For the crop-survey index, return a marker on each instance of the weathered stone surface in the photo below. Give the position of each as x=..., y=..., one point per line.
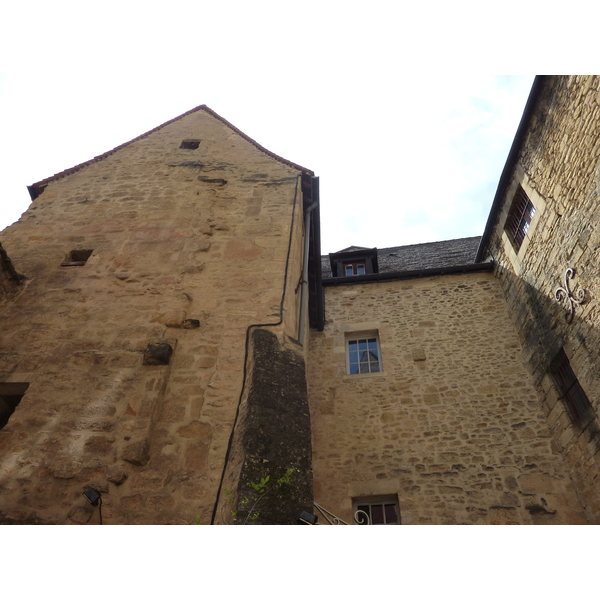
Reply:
x=196, y=456
x=195, y=430
x=9, y=279
x=160, y=353
x=116, y=475
x=98, y=444
x=64, y=467
x=557, y=167
x=136, y=453
x=157, y=274
x=275, y=437
x=460, y=436
x=81, y=514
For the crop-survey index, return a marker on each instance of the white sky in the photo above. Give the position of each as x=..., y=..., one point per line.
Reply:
x=373, y=98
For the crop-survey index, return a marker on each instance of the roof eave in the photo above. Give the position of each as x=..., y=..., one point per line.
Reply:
x=511, y=162
x=415, y=274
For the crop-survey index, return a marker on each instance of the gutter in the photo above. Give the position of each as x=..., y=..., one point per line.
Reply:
x=415, y=274
x=304, y=290
x=318, y=317
x=513, y=155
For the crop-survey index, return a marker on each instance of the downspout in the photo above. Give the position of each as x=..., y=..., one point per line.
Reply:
x=304, y=289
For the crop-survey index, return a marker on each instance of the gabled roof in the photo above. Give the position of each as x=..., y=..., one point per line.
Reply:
x=419, y=257
x=36, y=189
x=351, y=249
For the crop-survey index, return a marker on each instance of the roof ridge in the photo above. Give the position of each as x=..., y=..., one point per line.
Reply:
x=471, y=237
x=380, y=250
x=35, y=189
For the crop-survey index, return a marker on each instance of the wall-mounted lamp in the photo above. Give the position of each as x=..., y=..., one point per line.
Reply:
x=305, y=518
x=94, y=497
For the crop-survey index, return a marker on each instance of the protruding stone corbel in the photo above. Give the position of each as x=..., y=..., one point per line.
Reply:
x=564, y=294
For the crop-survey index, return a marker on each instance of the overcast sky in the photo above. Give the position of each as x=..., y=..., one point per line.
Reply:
x=408, y=147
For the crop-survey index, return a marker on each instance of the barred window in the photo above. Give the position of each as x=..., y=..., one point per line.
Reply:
x=519, y=218
x=570, y=390
x=381, y=510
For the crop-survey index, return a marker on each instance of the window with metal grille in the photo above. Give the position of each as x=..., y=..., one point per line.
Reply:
x=382, y=510
x=519, y=218
x=363, y=355
x=571, y=393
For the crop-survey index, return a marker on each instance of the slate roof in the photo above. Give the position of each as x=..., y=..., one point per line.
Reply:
x=449, y=253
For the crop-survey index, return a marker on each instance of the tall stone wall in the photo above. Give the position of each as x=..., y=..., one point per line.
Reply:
x=452, y=425
x=189, y=248
x=559, y=168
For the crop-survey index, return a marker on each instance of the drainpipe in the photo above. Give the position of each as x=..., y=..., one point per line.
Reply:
x=303, y=293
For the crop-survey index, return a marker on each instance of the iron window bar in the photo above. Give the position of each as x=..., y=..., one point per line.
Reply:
x=570, y=390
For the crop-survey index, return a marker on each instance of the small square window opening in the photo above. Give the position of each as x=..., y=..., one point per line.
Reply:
x=363, y=355
x=76, y=258
x=190, y=144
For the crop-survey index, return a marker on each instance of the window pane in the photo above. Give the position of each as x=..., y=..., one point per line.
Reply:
x=375, y=367
x=353, y=345
x=353, y=357
x=349, y=270
x=377, y=514
x=362, y=344
x=360, y=269
x=372, y=344
x=373, y=356
x=353, y=369
x=364, y=367
x=390, y=513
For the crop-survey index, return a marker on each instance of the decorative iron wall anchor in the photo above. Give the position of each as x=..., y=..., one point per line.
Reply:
x=572, y=298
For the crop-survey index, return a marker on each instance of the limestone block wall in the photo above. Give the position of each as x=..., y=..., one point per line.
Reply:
x=452, y=425
x=189, y=248
x=559, y=168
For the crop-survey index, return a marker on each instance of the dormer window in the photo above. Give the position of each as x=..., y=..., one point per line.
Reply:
x=358, y=268
x=354, y=261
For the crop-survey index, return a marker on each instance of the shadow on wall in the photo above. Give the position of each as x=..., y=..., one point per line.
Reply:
x=546, y=336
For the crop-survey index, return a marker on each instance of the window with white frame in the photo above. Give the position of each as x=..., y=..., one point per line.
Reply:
x=377, y=510
x=363, y=354
x=355, y=268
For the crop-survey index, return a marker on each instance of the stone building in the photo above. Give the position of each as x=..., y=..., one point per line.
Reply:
x=174, y=342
